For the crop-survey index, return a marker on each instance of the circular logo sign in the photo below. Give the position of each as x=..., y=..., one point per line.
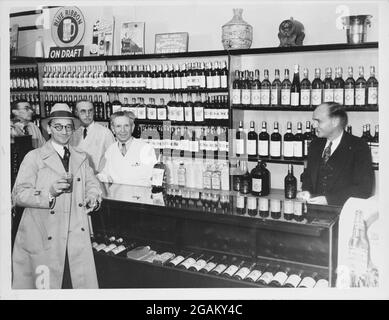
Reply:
x=68, y=27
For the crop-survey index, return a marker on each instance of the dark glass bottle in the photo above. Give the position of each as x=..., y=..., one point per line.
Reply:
x=236, y=90
x=246, y=89
x=263, y=142
x=290, y=184
x=260, y=180
x=268, y=275
x=276, y=89
x=374, y=146
x=360, y=89
x=245, y=183
x=328, y=85
x=252, y=142
x=288, y=142
x=240, y=140
x=349, y=89
x=305, y=92
x=339, y=86
x=372, y=89
x=275, y=143
x=298, y=147
x=317, y=89
x=295, y=89
x=265, y=89
x=256, y=89
x=286, y=86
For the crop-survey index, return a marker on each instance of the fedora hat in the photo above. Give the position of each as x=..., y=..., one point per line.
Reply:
x=61, y=110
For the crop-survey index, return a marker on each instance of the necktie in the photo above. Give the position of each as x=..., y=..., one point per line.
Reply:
x=66, y=157
x=85, y=132
x=124, y=149
x=25, y=130
x=327, y=152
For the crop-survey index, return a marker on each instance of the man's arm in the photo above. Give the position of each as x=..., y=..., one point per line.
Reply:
x=362, y=177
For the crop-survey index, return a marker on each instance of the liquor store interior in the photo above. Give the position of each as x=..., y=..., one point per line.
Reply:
x=157, y=149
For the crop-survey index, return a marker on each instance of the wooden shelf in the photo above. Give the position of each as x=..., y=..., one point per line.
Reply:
x=159, y=91
x=298, y=108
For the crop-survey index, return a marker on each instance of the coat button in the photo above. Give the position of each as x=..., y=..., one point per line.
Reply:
x=80, y=204
x=82, y=229
x=52, y=211
x=78, y=179
x=49, y=238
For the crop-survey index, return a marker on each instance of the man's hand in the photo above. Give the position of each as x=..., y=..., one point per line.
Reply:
x=318, y=200
x=303, y=195
x=104, y=178
x=58, y=187
x=92, y=203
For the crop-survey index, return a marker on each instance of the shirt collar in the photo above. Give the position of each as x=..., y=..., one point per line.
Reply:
x=88, y=127
x=335, y=142
x=128, y=142
x=59, y=148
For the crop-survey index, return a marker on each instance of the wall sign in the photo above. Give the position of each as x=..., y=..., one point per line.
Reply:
x=171, y=42
x=68, y=27
x=59, y=53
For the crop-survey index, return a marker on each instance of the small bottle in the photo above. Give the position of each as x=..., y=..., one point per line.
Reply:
x=260, y=180
x=286, y=90
x=182, y=175
x=360, y=89
x=372, y=89
x=317, y=89
x=295, y=89
x=290, y=184
x=240, y=140
x=349, y=89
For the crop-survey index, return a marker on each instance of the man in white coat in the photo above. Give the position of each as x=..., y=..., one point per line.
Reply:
x=91, y=137
x=129, y=160
x=52, y=247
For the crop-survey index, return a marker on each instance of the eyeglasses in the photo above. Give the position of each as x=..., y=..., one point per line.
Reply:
x=84, y=112
x=59, y=127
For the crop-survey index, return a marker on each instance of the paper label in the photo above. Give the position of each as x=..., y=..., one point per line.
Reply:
x=328, y=95
x=236, y=96
x=339, y=96
x=254, y=275
x=239, y=146
x=360, y=96
x=288, y=148
x=308, y=282
x=293, y=280
x=349, y=96
x=305, y=97
x=372, y=95
x=246, y=96
x=243, y=272
x=295, y=99
x=316, y=97
x=256, y=184
x=285, y=96
x=252, y=147
x=255, y=97
x=265, y=97
x=231, y=270
x=252, y=203
x=275, y=148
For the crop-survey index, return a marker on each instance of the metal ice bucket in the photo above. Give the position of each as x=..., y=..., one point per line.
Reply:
x=356, y=28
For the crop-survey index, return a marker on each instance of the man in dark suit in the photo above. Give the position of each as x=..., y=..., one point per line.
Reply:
x=339, y=164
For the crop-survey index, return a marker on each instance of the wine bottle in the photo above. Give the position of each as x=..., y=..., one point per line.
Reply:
x=275, y=143
x=158, y=177
x=240, y=204
x=288, y=142
x=260, y=180
x=280, y=277
x=317, y=89
x=349, y=89
x=275, y=209
x=188, y=109
x=372, y=89
x=328, y=84
x=374, y=147
x=256, y=90
x=294, y=279
x=288, y=209
x=263, y=207
x=198, y=109
x=252, y=142
x=339, y=86
x=322, y=283
x=210, y=265
x=286, y=86
x=307, y=138
x=233, y=267
x=190, y=261
x=305, y=92
x=221, y=265
x=236, y=90
x=360, y=89
x=244, y=271
x=309, y=281
x=252, y=208
x=290, y=184
x=268, y=275
x=256, y=272
x=295, y=89
x=265, y=89
x=263, y=142
x=245, y=180
x=201, y=263
x=276, y=89
x=298, y=146
x=240, y=140
x=223, y=75
x=245, y=89
x=181, y=172
x=180, y=106
x=180, y=257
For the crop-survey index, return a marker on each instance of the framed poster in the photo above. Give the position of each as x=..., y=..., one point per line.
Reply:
x=132, y=38
x=13, y=41
x=171, y=42
x=102, y=38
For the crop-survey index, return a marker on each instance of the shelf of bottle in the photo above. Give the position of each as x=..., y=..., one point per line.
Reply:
x=148, y=91
x=299, y=108
x=23, y=60
x=23, y=90
x=208, y=122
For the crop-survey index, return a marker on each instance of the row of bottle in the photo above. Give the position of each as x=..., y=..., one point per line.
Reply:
x=247, y=89
x=32, y=98
x=24, y=79
x=197, y=75
x=372, y=141
x=266, y=274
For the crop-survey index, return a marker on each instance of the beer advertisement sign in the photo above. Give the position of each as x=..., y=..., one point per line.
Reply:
x=68, y=27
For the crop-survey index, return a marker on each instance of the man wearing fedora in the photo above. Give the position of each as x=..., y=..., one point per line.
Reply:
x=57, y=188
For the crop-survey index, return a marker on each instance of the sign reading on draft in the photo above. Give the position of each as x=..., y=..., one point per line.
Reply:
x=74, y=52
x=68, y=27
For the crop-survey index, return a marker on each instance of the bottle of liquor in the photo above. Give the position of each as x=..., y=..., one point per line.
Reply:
x=158, y=177
x=298, y=146
x=305, y=93
x=309, y=281
x=221, y=265
x=294, y=279
x=360, y=89
x=234, y=266
x=260, y=180
x=245, y=180
x=240, y=204
x=216, y=76
x=256, y=89
x=256, y=272
x=252, y=207
x=372, y=89
x=263, y=142
x=210, y=265
x=374, y=147
x=236, y=173
x=328, y=84
x=252, y=142
x=275, y=208
x=236, y=90
x=349, y=89
x=339, y=86
x=198, y=109
x=172, y=108
x=322, y=283
x=161, y=110
x=190, y=261
x=246, y=89
x=265, y=89
x=275, y=143
x=280, y=277
x=244, y=270
x=302, y=175
x=288, y=142
x=202, y=263
x=268, y=275
x=263, y=204
x=295, y=89
x=179, y=108
x=223, y=75
x=286, y=86
x=240, y=140
x=290, y=184
x=179, y=257
x=317, y=89
x=288, y=209
x=276, y=89
x=188, y=109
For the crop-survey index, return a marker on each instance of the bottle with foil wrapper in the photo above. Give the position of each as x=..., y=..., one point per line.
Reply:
x=237, y=33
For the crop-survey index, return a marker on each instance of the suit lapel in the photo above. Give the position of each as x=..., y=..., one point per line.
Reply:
x=76, y=159
x=51, y=158
x=317, y=161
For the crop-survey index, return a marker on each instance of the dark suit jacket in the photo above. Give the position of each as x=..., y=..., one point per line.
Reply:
x=353, y=175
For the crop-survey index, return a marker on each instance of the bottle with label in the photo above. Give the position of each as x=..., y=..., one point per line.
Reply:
x=233, y=267
x=265, y=89
x=198, y=109
x=172, y=108
x=256, y=90
x=374, y=147
x=158, y=177
x=245, y=269
x=268, y=275
x=245, y=179
x=263, y=204
x=252, y=208
x=276, y=89
x=298, y=146
x=161, y=110
x=339, y=86
x=317, y=89
x=290, y=184
x=263, y=142
x=295, y=89
x=236, y=172
x=286, y=86
x=240, y=140
x=181, y=173
x=151, y=110
x=294, y=279
x=179, y=257
x=252, y=141
x=240, y=204
x=307, y=138
x=275, y=208
x=288, y=209
x=288, y=142
x=280, y=277
x=236, y=92
x=260, y=180
x=309, y=281
x=188, y=109
x=322, y=283
x=372, y=89
x=180, y=106
x=256, y=272
x=223, y=75
x=246, y=89
x=221, y=265
x=328, y=84
x=349, y=89
x=360, y=89
x=275, y=143
x=190, y=261
x=201, y=263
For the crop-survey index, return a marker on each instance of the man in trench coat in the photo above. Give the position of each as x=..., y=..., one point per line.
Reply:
x=52, y=246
